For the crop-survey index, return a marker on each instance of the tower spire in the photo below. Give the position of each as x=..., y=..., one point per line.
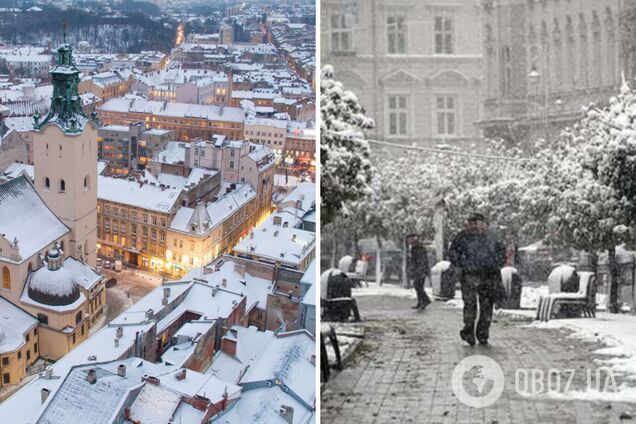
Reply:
x=66, y=104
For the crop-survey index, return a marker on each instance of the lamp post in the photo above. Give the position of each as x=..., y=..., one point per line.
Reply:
x=534, y=76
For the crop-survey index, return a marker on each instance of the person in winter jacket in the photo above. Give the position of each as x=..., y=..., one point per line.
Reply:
x=418, y=270
x=478, y=254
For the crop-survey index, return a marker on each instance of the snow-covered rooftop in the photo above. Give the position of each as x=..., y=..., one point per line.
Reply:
x=184, y=110
x=14, y=323
x=25, y=218
x=278, y=244
x=146, y=196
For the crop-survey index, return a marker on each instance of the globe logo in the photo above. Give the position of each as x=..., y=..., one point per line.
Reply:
x=478, y=381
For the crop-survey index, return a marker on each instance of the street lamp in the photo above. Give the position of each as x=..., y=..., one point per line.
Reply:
x=534, y=76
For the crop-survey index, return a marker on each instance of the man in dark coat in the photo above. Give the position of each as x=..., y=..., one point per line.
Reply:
x=478, y=255
x=418, y=270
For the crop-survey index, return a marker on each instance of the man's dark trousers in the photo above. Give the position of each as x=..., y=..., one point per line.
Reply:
x=478, y=288
x=422, y=297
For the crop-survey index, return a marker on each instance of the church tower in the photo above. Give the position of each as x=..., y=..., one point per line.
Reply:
x=65, y=159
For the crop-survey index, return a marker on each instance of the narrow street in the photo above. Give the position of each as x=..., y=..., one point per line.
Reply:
x=402, y=371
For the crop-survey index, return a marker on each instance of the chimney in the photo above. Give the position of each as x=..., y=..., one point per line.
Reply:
x=44, y=394
x=215, y=289
x=121, y=370
x=91, y=376
x=228, y=346
x=181, y=375
x=119, y=333
x=48, y=372
x=293, y=237
x=149, y=314
x=224, y=282
x=278, y=221
x=116, y=342
x=166, y=292
x=287, y=413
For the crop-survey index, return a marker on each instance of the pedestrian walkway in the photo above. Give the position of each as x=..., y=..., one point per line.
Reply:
x=402, y=371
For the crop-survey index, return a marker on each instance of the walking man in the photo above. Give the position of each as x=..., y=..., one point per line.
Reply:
x=418, y=270
x=478, y=255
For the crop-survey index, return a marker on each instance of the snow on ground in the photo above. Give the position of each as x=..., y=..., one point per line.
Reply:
x=616, y=332
x=375, y=289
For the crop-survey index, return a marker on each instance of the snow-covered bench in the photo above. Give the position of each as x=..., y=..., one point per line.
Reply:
x=579, y=303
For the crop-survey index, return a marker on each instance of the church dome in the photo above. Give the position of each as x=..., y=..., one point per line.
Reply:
x=52, y=284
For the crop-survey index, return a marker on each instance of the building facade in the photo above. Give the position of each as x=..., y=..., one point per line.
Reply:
x=415, y=65
x=129, y=147
x=188, y=121
x=543, y=60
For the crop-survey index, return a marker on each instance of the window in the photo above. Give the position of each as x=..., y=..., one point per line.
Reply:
x=35, y=347
x=340, y=33
x=5, y=360
x=47, y=184
x=73, y=338
x=86, y=183
x=27, y=338
x=231, y=164
x=78, y=318
x=6, y=378
x=62, y=186
x=154, y=220
x=19, y=354
x=43, y=318
x=446, y=109
x=6, y=278
x=28, y=355
x=192, y=246
x=444, y=35
x=398, y=115
x=396, y=34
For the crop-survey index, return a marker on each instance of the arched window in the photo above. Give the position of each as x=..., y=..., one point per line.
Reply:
x=78, y=318
x=87, y=182
x=62, y=186
x=43, y=318
x=47, y=183
x=6, y=278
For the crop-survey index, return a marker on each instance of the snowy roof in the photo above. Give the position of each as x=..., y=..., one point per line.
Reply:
x=154, y=405
x=304, y=194
x=84, y=275
x=25, y=217
x=77, y=400
x=278, y=244
x=206, y=385
x=287, y=358
x=207, y=216
x=254, y=288
x=133, y=193
x=139, y=105
x=19, y=123
x=172, y=180
x=16, y=169
x=249, y=344
x=14, y=323
x=173, y=153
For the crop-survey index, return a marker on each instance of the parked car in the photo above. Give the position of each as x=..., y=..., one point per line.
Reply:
x=99, y=261
x=118, y=266
x=111, y=282
x=107, y=264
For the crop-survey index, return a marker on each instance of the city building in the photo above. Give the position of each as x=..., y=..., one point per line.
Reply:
x=416, y=66
x=129, y=147
x=188, y=121
x=107, y=85
x=201, y=233
x=286, y=247
x=48, y=227
x=133, y=219
x=543, y=60
x=268, y=132
x=197, y=86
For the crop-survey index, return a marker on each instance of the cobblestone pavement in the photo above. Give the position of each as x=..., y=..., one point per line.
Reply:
x=402, y=371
